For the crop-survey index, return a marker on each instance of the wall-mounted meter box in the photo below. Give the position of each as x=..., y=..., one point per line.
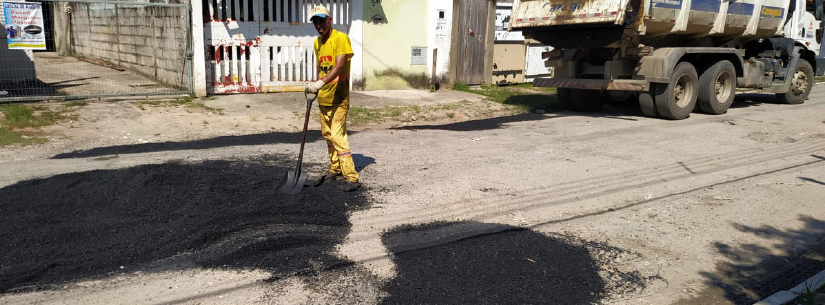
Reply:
x=418, y=56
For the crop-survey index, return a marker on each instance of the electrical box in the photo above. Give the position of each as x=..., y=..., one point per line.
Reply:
x=418, y=56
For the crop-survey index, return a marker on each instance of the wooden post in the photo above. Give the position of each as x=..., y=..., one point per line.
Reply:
x=434, y=78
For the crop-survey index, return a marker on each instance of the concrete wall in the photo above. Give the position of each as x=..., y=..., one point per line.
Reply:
x=148, y=40
x=388, y=43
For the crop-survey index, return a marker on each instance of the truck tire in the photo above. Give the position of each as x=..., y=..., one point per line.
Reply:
x=587, y=100
x=677, y=99
x=646, y=101
x=717, y=88
x=565, y=98
x=801, y=84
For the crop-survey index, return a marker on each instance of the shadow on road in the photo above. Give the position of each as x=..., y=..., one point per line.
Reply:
x=479, y=263
x=40, y=88
x=753, y=272
x=223, y=214
x=745, y=100
x=475, y=125
x=218, y=142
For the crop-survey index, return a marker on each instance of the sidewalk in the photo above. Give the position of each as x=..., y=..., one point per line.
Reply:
x=285, y=110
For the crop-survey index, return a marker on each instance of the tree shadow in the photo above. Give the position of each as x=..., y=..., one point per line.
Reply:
x=480, y=263
x=220, y=214
x=753, y=272
x=223, y=141
x=475, y=125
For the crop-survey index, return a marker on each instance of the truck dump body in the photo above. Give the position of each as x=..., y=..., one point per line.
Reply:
x=653, y=20
x=567, y=12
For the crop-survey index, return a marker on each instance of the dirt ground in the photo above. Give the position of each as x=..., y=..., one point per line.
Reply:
x=169, y=205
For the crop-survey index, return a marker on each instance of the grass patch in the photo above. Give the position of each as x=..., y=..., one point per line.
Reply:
x=21, y=116
x=820, y=78
x=523, y=96
x=16, y=118
x=187, y=102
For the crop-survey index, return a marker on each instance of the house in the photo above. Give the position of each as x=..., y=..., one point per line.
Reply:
x=251, y=46
x=397, y=44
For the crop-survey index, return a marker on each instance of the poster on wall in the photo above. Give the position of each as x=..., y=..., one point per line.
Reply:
x=24, y=25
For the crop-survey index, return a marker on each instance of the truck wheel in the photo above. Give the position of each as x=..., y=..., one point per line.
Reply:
x=677, y=99
x=717, y=87
x=803, y=80
x=646, y=101
x=565, y=98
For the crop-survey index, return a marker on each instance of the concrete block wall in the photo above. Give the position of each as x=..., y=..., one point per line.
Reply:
x=148, y=40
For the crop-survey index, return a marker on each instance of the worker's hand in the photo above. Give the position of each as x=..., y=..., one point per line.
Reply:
x=315, y=86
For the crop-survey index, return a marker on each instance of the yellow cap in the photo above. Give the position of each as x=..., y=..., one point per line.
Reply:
x=319, y=11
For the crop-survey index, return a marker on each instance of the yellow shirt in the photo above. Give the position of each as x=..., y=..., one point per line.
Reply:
x=336, y=91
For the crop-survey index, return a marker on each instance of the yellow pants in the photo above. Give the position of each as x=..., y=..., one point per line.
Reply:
x=334, y=129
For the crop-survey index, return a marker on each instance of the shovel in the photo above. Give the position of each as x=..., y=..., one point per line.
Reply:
x=293, y=181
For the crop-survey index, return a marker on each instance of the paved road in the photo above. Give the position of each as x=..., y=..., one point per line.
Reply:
x=629, y=209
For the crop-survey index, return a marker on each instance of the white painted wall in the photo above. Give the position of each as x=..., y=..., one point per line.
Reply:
x=439, y=36
x=199, y=49
x=356, y=37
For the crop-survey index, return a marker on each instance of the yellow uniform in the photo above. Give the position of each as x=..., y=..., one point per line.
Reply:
x=333, y=100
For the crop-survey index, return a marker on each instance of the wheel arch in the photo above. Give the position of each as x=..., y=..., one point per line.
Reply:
x=658, y=66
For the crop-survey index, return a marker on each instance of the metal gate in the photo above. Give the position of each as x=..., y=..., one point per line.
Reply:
x=264, y=45
x=101, y=49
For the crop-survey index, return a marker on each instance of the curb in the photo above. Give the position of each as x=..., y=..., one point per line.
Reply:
x=784, y=297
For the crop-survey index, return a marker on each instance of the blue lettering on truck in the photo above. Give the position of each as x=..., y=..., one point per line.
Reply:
x=674, y=4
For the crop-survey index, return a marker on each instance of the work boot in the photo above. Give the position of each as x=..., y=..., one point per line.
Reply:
x=350, y=186
x=329, y=177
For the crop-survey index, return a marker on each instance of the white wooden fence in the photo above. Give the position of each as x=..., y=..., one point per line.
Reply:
x=264, y=45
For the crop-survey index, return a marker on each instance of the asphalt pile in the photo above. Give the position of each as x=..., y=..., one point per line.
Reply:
x=84, y=225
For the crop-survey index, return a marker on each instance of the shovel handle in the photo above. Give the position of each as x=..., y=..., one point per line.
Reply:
x=306, y=126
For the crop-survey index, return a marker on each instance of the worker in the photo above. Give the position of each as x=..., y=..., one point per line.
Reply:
x=333, y=53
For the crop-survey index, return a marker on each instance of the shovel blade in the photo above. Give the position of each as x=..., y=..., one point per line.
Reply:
x=292, y=184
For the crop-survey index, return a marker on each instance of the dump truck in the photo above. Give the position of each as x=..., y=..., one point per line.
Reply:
x=674, y=56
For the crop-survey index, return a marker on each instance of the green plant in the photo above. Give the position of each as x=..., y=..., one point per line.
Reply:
x=8, y=137
x=459, y=86
x=451, y=114
x=809, y=295
x=18, y=116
